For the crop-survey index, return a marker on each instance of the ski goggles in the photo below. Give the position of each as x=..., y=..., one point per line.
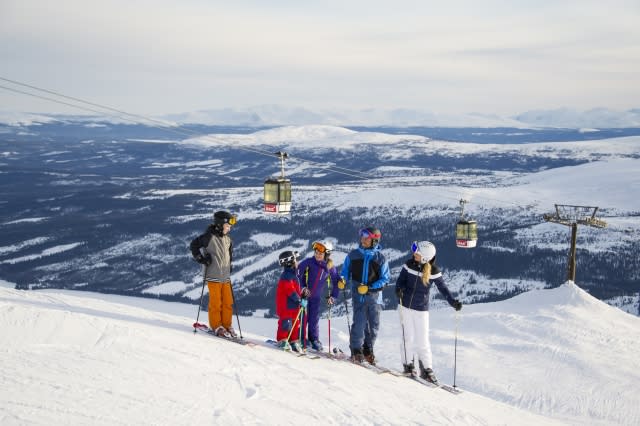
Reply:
x=415, y=248
x=366, y=233
x=232, y=220
x=319, y=247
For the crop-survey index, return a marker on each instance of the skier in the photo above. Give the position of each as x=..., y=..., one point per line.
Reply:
x=214, y=249
x=317, y=273
x=367, y=270
x=290, y=300
x=414, y=283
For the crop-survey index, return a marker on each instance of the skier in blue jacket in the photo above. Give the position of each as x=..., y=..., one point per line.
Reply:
x=414, y=283
x=367, y=271
x=318, y=274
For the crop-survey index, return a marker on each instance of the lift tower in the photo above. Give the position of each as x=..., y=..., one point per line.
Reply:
x=572, y=216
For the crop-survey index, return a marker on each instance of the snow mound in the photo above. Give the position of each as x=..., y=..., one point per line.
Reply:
x=321, y=136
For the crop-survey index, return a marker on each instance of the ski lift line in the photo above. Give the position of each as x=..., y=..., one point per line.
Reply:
x=181, y=131
x=51, y=92
x=178, y=130
x=48, y=99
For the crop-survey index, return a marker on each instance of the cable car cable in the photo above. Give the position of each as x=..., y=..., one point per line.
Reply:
x=182, y=131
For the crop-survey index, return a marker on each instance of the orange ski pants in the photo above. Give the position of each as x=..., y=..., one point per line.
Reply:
x=220, y=304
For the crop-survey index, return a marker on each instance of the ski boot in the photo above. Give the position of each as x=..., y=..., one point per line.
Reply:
x=368, y=355
x=284, y=344
x=428, y=374
x=357, y=356
x=222, y=332
x=296, y=347
x=316, y=345
x=409, y=369
x=232, y=332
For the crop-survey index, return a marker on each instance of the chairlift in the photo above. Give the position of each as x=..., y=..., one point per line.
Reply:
x=466, y=230
x=277, y=191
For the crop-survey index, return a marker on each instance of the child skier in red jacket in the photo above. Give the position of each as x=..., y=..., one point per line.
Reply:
x=289, y=301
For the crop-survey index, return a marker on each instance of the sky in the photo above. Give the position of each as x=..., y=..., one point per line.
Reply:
x=544, y=357
x=169, y=56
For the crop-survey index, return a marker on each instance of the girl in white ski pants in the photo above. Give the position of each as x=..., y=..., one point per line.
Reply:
x=415, y=325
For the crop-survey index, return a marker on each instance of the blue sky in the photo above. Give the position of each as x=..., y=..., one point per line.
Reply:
x=163, y=56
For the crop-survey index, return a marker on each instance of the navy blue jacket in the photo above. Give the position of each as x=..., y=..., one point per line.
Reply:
x=415, y=295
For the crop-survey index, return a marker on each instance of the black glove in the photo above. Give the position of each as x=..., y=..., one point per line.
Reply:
x=457, y=305
x=204, y=260
x=305, y=293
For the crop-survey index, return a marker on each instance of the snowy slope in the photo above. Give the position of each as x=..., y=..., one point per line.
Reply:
x=545, y=357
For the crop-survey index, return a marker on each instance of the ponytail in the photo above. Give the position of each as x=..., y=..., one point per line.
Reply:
x=329, y=264
x=426, y=273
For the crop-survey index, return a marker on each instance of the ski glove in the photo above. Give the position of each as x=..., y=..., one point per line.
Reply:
x=363, y=289
x=204, y=260
x=457, y=305
x=330, y=300
x=305, y=293
x=341, y=283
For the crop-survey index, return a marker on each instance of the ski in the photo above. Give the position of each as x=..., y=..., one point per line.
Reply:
x=203, y=328
x=274, y=344
x=336, y=355
x=451, y=389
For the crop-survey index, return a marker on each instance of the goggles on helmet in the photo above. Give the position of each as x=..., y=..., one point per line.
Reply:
x=319, y=247
x=232, y=220
x=415, y=248
x=367, y=233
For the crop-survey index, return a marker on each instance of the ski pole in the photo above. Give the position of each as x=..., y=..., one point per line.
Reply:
x=346, y=308
x=329, y=326
x=294, y=323
x=233, y=298
x=455, y=351
x=404, y=340
x=303, y=329
x=204, y=281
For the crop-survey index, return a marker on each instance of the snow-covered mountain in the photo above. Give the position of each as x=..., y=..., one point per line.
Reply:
x=112, y=208
x=279, y=115
x=545, y=357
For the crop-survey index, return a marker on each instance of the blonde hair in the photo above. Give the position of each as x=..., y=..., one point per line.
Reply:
x=426, y=273
x=329, y=263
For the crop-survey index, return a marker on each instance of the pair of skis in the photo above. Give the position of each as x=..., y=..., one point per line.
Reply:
x=203, y=328
x=336, y=355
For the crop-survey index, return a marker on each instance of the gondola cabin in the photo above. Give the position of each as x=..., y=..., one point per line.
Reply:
x=277, y=191
x=466, y=233
x=277, y=196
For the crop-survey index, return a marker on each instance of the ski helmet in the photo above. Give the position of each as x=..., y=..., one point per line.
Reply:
x=323, y=246
x=373, y=233
x=288, y=258
x=221, y=217
x=426, y=249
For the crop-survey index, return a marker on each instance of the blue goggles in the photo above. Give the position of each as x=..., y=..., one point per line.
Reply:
x=415, y=248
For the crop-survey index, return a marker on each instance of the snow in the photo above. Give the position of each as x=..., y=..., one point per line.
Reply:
x=268, y=239
x=46, y=252
x=545, y=357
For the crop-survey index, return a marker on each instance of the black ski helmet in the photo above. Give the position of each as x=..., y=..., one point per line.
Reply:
x=221, y=217
x=288, y=258
x=373, y=233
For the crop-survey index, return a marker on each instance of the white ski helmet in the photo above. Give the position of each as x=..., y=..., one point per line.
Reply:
x=323, y=246
x=426, y=249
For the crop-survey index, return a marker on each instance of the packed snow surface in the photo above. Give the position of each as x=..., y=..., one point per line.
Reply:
x=545, y=357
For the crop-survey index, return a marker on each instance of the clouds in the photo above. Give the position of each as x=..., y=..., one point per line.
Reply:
x=171, y=56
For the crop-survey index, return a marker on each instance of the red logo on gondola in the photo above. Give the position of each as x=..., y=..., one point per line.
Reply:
x=271, y=208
